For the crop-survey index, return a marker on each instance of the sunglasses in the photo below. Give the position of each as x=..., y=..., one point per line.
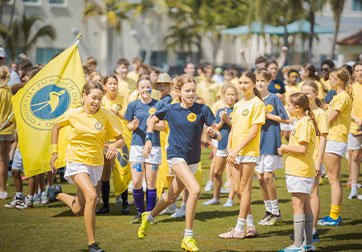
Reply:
x=1, y=58
x=324, y=69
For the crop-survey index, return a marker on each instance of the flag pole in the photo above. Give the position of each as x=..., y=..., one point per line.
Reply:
x=76, y=40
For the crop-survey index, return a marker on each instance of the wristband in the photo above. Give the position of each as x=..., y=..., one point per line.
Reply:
x=113, y=145
x=148, y=136
x=215, y=136
x=54, y=148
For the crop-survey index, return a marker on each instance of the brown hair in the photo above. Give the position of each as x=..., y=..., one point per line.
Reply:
x=300, y=99
x=122, y=61
x=182, y=80
x=109, y=76
x=16, y=87
x=312, y=72
x=90, y=85
x=252, y=77
x=173, y=84
x=91, y=61
x=260, y=59
x=314, y=85
x=4, y=75
x=271, y=62
x=264, y=73
x=343, y=75
x=143, y=77
x=94, y=74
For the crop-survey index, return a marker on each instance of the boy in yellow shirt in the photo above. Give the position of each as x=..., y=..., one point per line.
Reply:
x=208, y=89
x=125, y=85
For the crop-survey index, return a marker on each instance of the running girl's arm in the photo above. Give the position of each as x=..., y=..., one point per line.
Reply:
x=322, y=148
x=356, y=119
x=159, y=126
x=276, y=118
x=214, y=132
x=133, y=125
x=333, y=116
x=54, y=147
x=301, y=149
x=112, y=148
x=151, y=123
x=283, y=57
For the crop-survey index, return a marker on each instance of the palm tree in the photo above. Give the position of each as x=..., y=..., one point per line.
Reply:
x=337, y=8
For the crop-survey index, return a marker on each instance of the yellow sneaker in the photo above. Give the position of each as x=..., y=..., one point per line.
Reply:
x=321, y=181
x=189, y=244
x=145, y=225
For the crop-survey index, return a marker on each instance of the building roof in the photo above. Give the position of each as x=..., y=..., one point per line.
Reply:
x=354, y=39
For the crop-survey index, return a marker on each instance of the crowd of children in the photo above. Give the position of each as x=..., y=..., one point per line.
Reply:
x=248, y=117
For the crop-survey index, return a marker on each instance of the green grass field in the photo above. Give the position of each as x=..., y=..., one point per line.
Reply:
x=53, y=227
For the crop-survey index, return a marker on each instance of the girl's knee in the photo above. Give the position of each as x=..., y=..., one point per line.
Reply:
x=91, y=196
x=195, y=191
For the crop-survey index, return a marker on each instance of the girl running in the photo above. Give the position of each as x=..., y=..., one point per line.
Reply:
x=270, y=141
x=300, y=169
x=243, y=151
x=186, y=121
x=223, y=124
x=339, y=115
x=138, y=114
x=90, y=126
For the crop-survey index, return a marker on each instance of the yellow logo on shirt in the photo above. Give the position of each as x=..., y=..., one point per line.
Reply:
x=118, y=107
x=231, y=115
x=245, y=112
x=269, y=108
x=191, y=117
x=277, y=86
x=98, y=126
x=152, y=111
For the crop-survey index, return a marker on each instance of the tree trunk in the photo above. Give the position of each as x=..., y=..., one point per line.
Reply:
x=311, y=35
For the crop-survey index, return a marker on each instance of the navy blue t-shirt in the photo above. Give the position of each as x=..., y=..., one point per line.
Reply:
x=166, y=99
x=276, y=86
x=142, y=111
x=270, y=139
x=225, y=129
x=186, y=125
x=329, y=95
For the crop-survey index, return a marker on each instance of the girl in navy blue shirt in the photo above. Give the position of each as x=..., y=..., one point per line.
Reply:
x=186, y=121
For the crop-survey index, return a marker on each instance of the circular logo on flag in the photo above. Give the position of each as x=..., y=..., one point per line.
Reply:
x=245, y=112
x=269, y=108
x=46, y=100
x=151, y=111
x=191, y=117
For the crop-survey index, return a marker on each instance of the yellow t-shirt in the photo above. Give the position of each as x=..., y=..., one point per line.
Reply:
x=338, y=130
x=326, y=84
x=155, y=94
x=302, y=165
x=356, y=105
x=322, y=122
x=235, y=82
x=200, y=78
x=133, y=75
x=290, y=90
x=245, y=114
x=125, y=88
x=6, y=109
x=119, y=104
x=321, y=93
x=208, y=92
x=218, y=105
x=88, y=134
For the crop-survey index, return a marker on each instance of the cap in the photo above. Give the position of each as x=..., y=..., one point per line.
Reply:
x=163, y=78
x=2, y=52
x=218, y=70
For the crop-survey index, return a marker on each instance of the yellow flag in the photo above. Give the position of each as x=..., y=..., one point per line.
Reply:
x=37, y=107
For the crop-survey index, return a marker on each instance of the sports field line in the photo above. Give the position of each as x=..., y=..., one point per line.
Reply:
x=130, y=228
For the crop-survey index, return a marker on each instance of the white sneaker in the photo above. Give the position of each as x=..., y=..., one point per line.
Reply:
x=15, y=202
x=353, y=196
x=293, y=248
x=181, y=212
x=44, y=198
x=359, y=197
x=171, y=209
x=209, y=186
x=211, y=202
x=4, y=195
x=36, y=200
x=27, y=203
x=229, y=203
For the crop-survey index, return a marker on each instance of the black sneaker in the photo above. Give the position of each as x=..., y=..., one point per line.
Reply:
x=94, y=248
x=136, y=219
x=102, y=210
x=315, y=237
x=125, y=210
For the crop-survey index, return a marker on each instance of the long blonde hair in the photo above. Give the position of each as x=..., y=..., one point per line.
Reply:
x=343, y=75
x=4, y=76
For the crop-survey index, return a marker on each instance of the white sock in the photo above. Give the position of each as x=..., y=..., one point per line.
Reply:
x=314, y=231
x=19, y=194
x=240, y=225
x=30, y=197
x=268, y=206
x=36, y=196
x=189, y=233
x=150, y=218
x=354, y=189
x=39, y=191
x=227, y=184
x=229, y=201
x=183, y=205
x=274, y=205
x=250, y=220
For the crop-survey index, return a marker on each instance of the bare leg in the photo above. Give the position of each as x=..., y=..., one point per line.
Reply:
x=246, y=182
x=18, y=183
x=314, y=200
x=4, y=162
x=269, y=182
x=333, y=164
x=263, y=188
x=218, y=171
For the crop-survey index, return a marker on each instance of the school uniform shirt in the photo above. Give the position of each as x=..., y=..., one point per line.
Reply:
x=117, y=104
x=356, y=105
x=245, y=114
x=88, y=134
x=167, y=99
x=155, y=94
x=276, y=86
x=218, y=105
x=339, y=128
x=186, y=126
x=225, y=129
x=142, y=111
x=208, y=92
x=270, y=139
x=326, y=84
x=126, y=87
x=322, y=122
x=6, y=109
x=302, y=165
x=331, y=93
x=321, y=93
x=290, y=90
x=133, y=75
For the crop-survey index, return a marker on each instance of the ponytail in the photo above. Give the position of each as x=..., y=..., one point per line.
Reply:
x=349, y=90
x=318, y=102
x=257, y=93
x=312, y=117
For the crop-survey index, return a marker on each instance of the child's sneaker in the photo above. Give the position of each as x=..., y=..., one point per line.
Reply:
x=209, y=186
x=51, y=194
x=189, y=244
x=171, y=209
x=136, y=219
x=44, y=198
x=265, y=218
x=232, y=234
x=27, y=203
x=315, y=237
x=4, y=195
x=179, y=213
x=229, y=203
x=36, y=199
x=309, y=248
x=142, y=231
x=328, y=221
x=251, y=232
x=293, y=248
x=17, y=201
x=273, y=219
x=94, y=248
x=211, y=202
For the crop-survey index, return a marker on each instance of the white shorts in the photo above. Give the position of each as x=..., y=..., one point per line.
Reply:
x=221, y=153
x=171, y=162
x=245, y=159
x=269, y=163
x=337, y=148
x=73, y=168
x=354, y=143
x=17, y=161
x=299, y=184
x=286, y=127
x=8, y=138
x=214, y=142
x=136, y=155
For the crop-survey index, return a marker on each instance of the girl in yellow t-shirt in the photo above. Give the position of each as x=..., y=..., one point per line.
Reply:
x=90, y=126
x=308, y=72
x=300, y=168
x=339, y=116
x=243, y=150
x=96, y=76
x=7, y=134
x=310, y=88
x=113, y=102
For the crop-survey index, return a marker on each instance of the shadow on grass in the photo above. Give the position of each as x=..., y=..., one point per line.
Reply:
x=349, y=236
x=348, y=221
x=205, y=215
x=285, y=233
x=342, y=247
x=260, y=202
